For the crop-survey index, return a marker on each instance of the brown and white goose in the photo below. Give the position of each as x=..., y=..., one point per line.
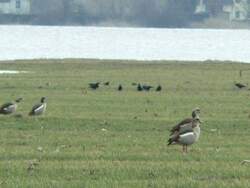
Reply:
x=187, y=137
x=10, y=107
x=39, y=109
x=182, y=125
x=183, y=130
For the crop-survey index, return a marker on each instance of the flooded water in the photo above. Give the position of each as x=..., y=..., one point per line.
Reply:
x=11, y=72
x=36, y=42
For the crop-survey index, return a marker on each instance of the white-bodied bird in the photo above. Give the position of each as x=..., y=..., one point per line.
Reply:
x=39, y=109
x=187, y=131
x=10, y=107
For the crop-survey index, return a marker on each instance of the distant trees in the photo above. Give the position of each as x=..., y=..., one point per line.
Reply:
x=48, y=12
x=153, y=13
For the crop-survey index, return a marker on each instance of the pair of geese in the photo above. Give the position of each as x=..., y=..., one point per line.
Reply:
x=187, y=131
x=11, y=107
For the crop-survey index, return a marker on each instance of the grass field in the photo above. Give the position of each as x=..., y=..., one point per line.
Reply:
x=106, y=138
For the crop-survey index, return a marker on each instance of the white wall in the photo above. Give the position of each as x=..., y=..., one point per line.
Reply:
x=10, y=7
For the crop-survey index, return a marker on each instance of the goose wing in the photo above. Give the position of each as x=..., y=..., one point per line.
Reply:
x=184, y=126
x=37, y=109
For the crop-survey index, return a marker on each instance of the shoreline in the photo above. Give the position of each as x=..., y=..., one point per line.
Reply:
x=87, y=60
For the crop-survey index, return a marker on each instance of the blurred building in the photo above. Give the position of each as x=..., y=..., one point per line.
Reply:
x=15, y=7
x=234, y=10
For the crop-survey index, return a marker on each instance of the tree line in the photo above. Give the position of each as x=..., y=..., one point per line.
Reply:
x=146, y=13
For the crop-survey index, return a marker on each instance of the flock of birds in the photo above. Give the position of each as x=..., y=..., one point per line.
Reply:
x=140, y=87
x=185, y=133
x=144, y=87
x=11, y=107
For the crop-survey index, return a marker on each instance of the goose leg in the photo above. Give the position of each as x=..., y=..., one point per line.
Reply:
x=183, y=149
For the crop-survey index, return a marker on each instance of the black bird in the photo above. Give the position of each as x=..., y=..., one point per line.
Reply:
x=159, y=88
x=240, y=85
x=106, y=83
x=139, y=88
x=9, y=108
x=120, y=87
x=39, y=109
x=146, y=87
x=94, y=86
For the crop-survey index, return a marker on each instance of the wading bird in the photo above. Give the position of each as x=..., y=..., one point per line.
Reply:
x=39, y=109
x=9, y=108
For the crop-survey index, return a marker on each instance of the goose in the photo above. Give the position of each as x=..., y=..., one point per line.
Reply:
x=94, y=86
x=39, y=109
x=9, y=108
x=187, y=137
x=182, y=125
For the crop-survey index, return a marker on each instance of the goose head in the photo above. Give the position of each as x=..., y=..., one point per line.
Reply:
x=196, y=112
x=43, y=99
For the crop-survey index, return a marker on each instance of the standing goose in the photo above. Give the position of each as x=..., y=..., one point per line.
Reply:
x=188, y=137
x=184, y=124
x=9, y=108
x=39, y=109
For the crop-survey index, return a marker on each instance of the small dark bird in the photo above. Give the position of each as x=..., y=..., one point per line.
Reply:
x=120, y=87
x=94, y=86
x=139, y=88
x=159, y=88
x=9, y=108
x=106, y=83
x=146, y=87
x=240, y=85
x=39, y=109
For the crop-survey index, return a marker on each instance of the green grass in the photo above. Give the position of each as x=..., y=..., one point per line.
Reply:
x=107, y=138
